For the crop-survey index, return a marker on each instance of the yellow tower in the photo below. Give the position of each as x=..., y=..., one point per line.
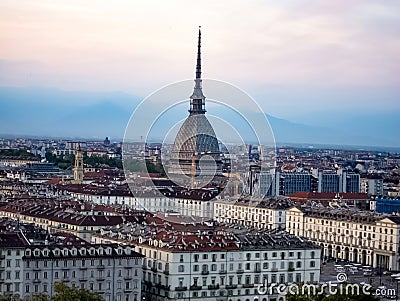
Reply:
x=78, y=169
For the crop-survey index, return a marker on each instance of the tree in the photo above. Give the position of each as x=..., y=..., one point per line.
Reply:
x=66, y=293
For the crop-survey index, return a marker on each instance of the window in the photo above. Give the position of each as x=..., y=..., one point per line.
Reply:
x=312, y=264
x=181, y=268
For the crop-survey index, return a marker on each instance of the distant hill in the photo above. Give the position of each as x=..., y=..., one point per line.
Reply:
x=58, y=113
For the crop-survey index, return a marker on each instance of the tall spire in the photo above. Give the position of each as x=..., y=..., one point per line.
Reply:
x=197, y=100
x=198, y=66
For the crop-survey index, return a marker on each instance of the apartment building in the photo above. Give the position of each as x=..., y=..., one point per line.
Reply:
x=267, y=212
x=26, y=269
x=67, y=216
x=363, y=237
x=198, y=202
x=210, y=261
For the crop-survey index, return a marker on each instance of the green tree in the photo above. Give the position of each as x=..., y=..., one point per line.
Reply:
x=66, y=293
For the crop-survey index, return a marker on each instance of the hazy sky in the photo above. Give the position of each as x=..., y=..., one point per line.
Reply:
x=294, y=57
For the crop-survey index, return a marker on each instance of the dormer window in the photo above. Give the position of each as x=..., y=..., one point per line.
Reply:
x=28, y=252
x=36, y=252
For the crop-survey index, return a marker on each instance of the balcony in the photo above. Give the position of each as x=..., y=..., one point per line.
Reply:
x=222, y=272
x=240, y=271
x=205, y=272
x=2, y=257
x=166, y=272
x=154, y=270
x=83, y=268
x=213, y=286
x=274, y=270
x=231, y=286
x=290, y=269
x=100, y=278
x=101, y=267
x=181, y=288
x=195, y=288
x=128, y=277
x=257, y=270
x=37, y=280
x=82, y=279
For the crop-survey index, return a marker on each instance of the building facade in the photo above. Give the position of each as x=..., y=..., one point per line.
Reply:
x=358, y=236
x=267, y=213
x=27, y=269
x=200, y=261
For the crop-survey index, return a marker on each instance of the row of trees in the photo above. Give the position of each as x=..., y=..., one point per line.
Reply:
x=63, y=293
x=135, y=165
x=66, y=162
x=16, y=153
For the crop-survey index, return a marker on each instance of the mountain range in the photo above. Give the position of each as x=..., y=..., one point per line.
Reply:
x=57, y=113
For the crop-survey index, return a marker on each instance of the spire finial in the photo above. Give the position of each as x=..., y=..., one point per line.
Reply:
x=197, y=100
x=198, y=67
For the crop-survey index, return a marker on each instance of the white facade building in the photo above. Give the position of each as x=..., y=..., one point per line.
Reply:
x=202, y=262
x=268, y=213
x=113, y=271
x=358, y=236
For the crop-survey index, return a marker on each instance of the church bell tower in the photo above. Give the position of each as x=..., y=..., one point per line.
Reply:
x=78, y=169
